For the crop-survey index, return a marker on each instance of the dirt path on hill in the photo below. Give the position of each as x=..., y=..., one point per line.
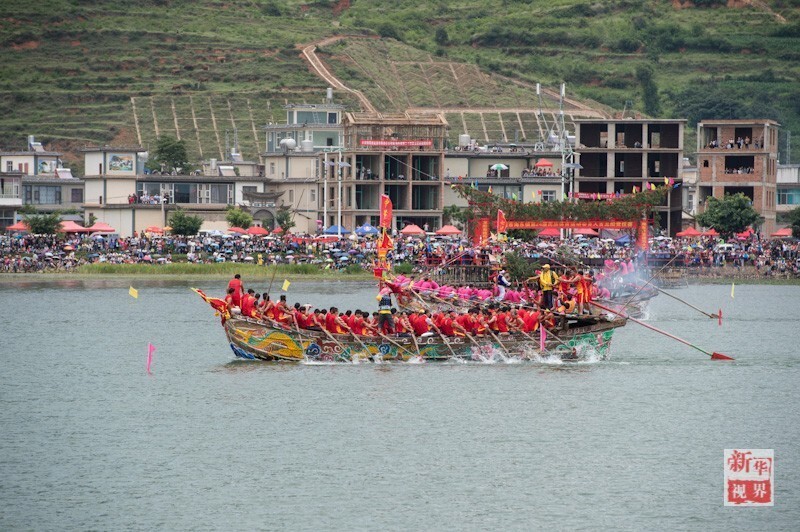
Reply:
x=309, y=54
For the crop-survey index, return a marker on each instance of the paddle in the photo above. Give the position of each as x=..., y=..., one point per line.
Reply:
x=444, y=338
x=714, y=355
x=337, y=342
x=398, y=345
x=366, y=349
x=712, y=316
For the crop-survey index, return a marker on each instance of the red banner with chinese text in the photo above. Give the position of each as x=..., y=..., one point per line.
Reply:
x=480, y=234
x=641, y=235
x=570, y=224
x=396, y=143
x=386, y=212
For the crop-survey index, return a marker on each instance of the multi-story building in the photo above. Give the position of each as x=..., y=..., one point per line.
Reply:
x=520, y=180
x=397, y=154
x=120, y=193
x=10, y=197
x=45, y=184
x=740, y=156
x=788, y=182
x=294, y=161
x=617, y=155
x=330, y=167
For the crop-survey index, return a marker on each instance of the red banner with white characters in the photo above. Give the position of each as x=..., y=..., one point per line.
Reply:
x=396, y=143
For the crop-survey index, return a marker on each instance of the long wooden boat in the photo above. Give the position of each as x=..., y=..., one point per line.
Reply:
x=573, y=339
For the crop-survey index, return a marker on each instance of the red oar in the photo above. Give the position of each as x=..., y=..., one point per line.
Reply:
x=714, y=356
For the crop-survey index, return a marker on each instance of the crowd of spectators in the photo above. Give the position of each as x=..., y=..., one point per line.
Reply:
x=31, y=253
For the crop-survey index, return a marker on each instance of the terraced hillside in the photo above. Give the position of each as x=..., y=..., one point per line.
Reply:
x=76, y=73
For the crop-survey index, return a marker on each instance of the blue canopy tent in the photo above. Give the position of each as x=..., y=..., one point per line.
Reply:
x=366, y=229
x=624, y=239
x=336, y=230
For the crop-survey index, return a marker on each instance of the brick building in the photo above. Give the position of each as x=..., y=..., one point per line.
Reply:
x=739, y=156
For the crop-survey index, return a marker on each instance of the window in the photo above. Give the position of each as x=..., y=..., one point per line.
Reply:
x=76, y=195
x=705, y=163
x=349, y=197
x=271, y=168
x=249, y=189
x=41, y=195
x=9, y=166
x=291, y=196
x=313, y=195
x=548, y=195
x=331, y=118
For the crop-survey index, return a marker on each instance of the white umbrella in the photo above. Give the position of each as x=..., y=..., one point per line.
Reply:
x=499, y=166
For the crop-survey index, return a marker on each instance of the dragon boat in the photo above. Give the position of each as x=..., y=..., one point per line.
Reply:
x=573, y=339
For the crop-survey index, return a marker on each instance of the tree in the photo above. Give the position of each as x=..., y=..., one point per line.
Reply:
x=284, y=218
x=183, y=224
x=454, y=214
x=729, y=215
x=236, y=217
x=441, y=37
x=171, y=154
x=41, y=224
x=652, y=104
x=794, y=221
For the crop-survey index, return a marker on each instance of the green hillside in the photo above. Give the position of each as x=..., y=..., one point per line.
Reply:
x=76, y=73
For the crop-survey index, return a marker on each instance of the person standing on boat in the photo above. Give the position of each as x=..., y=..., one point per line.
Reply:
x=385, y=319
x=547, y=281
x=502, y=283
x=238, y=290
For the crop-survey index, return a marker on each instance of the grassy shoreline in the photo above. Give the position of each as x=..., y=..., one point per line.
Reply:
x=198, y=271
x=291, y=272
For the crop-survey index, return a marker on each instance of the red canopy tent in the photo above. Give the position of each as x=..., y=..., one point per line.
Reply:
x=782, y=233
x=412, y=230
x=154, y=229
x=448, y=230
x=19, y=226
x=550, y=232
x=237, y=230
x=585, y=231
x=744, y=235
x=277, y=231
x=101, y=227
x=256, y=230
x=710, y=232
x=542, y=163
x=689, y=232
x=71, y=227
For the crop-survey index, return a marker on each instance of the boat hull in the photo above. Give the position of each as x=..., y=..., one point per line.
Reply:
x=256, y=340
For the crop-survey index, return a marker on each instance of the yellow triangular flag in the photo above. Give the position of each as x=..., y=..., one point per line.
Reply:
x=286, y=284
x=732, y=287
x=134, y=293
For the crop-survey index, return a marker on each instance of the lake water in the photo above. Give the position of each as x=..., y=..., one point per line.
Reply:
x=89, y=441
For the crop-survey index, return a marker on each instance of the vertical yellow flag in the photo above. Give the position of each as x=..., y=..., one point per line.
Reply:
x=134, y=293
x=732, y=287
x=286, y=284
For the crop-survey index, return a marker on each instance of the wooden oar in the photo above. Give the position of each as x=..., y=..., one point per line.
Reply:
x=714, y=355
x=398, y=345
x=366, y=349
x=444, y=338
x=337, y=342
x=297, y=328
x=712, y=316
x=498, y=340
